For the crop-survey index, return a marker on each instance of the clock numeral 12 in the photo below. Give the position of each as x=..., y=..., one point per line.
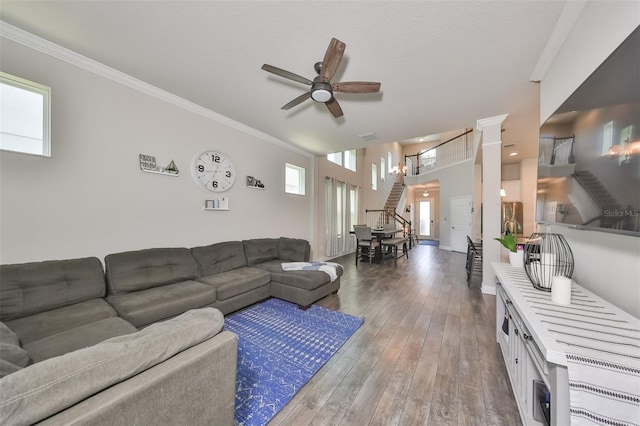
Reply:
x=215, y=158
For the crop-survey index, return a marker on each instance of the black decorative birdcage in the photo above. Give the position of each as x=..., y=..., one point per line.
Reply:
x=547, y=255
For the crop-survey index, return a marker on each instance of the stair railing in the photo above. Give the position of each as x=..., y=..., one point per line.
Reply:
x=379, y=218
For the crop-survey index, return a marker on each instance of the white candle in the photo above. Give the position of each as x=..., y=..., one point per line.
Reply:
x=561, y=290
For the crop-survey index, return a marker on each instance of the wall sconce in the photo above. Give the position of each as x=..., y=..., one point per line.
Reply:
x=503, y=193
x=425, y=194
x=625, y=149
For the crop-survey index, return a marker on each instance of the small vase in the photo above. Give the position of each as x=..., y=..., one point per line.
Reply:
x=516, y=259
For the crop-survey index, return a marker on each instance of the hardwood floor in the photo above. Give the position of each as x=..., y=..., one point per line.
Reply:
x=425, y=355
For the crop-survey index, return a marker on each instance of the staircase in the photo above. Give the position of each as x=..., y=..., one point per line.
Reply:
x=394, y=196
x=603, y=199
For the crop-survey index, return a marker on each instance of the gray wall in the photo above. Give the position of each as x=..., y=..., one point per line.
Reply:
x=606, y=264
x=91, y=199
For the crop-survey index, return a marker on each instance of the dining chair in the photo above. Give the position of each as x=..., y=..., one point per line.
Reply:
x=366, y=242
x=474, y=259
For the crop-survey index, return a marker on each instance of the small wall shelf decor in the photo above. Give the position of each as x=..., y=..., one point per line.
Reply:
x=148, y=164
x=254, y=183
x=219, y=203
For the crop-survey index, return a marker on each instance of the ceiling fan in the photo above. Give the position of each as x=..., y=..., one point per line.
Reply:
x=321, y=87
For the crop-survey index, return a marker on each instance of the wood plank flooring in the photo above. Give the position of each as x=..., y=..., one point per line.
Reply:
x=425, y=355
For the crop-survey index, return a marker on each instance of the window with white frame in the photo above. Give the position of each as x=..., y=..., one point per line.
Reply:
x=25, y=108
x=374, y=176
x=335, y=157
x=294, y=179
x=382, y=172
x=389, y=161
x=350, y=160
x=346, y=159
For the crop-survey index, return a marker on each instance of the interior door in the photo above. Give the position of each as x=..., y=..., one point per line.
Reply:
x=460, y=223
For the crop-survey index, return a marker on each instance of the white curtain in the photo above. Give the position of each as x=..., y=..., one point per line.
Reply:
x=340, y=201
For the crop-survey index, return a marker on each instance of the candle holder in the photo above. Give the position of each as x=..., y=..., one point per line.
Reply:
x=547, y=255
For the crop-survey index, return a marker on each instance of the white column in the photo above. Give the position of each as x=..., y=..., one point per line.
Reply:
x=491, y=129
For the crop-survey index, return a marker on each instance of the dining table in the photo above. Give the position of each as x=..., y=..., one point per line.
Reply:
x=381, y=234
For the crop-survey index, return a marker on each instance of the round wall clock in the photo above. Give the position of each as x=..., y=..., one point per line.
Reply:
x=213, y=171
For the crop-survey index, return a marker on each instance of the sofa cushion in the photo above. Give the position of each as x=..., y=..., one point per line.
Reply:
x=7, y=335
x=7, y=368
x=77, y=338
x=293, y=250
x=307, y=280
x=12, y=356
x=220, y=257
x=143, y=269
x=238, y=281
x=29, y=288
x=43, y=389
x=38, y=326
x=260, y=250
x=143, y=307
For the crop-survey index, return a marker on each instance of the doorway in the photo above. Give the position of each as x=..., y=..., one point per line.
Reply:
x=460, y=223
x=426, y=219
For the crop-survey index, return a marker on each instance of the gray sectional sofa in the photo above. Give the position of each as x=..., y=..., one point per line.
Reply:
x=141, y=340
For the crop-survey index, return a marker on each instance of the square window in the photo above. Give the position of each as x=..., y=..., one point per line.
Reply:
x=25, y=108
x=294, y=179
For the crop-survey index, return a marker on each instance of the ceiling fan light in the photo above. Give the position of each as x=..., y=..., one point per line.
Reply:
x=321, y=95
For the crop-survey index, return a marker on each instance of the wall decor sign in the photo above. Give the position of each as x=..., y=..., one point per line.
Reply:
x=148, y=164
x=254, y=183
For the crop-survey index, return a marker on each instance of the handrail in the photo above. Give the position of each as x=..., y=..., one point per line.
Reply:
x=443, y=156
x=442, y=143
x=406, y=224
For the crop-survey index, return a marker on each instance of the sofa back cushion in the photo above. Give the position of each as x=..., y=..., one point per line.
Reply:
x=220, y=257
x=30, y=288
x=43, y=389
x=293, y=250
x=260, y=250
x=142, y=269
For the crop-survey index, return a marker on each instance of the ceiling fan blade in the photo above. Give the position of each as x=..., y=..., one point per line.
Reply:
x=334, y=107
x=356, y=87
x=287, y=74
x=332, y=59
x=297, y=100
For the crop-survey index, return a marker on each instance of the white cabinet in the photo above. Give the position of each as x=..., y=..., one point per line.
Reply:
x=537, y=371
x=516, y=349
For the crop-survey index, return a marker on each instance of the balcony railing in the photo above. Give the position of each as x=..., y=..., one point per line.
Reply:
x=452, y=151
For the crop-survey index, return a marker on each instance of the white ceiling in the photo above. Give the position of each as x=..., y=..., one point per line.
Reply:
x=442, y=64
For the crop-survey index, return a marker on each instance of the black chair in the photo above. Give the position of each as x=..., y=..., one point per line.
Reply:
x=474, y=260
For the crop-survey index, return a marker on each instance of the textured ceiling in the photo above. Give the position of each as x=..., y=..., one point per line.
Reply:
x=442, y=64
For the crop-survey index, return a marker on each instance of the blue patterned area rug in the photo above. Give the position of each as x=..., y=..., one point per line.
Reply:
x=280, y=347
x=429, y=243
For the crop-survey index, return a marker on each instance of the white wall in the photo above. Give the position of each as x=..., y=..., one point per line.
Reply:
x=455, y=181
x=91, y=199
x=606, y=264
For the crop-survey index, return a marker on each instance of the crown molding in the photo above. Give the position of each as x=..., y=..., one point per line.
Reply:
x=490, y=121
x=42, y=45
x=567, y=19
